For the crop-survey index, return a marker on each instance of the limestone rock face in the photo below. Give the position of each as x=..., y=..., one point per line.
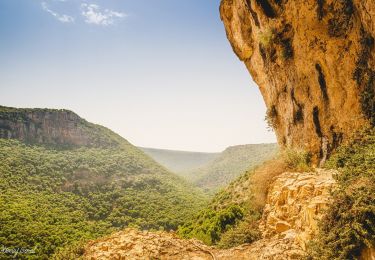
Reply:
x=43, y=127
x=314, y=63
x=295, y=203
x=51, y=127
x=275, y=248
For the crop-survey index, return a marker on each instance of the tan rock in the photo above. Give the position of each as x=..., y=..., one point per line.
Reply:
x=296, y=201
x=134, y=244
x=312, y=61
x=368, y=254
x=282, y=226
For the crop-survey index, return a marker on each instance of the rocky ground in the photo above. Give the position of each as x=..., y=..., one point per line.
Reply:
x=296, y=201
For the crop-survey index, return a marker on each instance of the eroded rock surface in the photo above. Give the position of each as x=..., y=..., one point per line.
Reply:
x=294, y=204
x=314, y=63
x=51, y=127
x=134, y=244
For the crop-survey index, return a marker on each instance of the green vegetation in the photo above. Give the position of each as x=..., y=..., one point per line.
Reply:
x=179, y=162
x=210, y=224
x=245, y=232
x=21, y=112
x=212, y=171
x=54, y=198
x=297, y=159
x=271, y=118
x=231, y=163
x=232, y=216
x=266, y=37
x=349, y=225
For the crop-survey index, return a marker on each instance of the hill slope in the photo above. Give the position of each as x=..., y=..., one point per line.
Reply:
x=64, y=179
x=180, y=162
x=232, y=163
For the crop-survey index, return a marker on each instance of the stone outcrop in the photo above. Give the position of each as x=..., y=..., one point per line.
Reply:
x=295, y=203
x=51, y=127
x=314, y=63
x=134, y=244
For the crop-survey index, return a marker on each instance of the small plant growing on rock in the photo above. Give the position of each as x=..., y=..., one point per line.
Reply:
x=271, y=118
x=266, y=37
x=245, y=232
x=297, y=160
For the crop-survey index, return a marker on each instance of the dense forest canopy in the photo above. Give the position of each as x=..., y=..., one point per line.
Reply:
x=55, y=196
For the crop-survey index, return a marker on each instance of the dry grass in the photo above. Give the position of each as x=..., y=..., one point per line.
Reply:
x=262, y=178
x=264, y=175
x=297, y=160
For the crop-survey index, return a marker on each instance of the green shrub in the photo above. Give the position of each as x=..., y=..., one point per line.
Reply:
x=247, y=193
x=245, y=232
x=271, y=118
x=73, y=251
x=209, y=224
x=297, y=160
x=50, y=199
x=266, y=37
x=349, y=225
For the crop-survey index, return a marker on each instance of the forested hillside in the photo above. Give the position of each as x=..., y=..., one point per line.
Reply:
x=55, y=194
x=180, y=162
x=230, y=164
x=231, y=218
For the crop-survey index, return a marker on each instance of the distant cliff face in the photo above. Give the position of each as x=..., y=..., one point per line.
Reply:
x=43, y=126
x=314, y=63
x=50, y=126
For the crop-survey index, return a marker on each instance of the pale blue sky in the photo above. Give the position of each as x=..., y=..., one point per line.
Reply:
x=161, y=73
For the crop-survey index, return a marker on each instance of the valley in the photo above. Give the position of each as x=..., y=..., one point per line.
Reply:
x=180, y=162
x=71, y=189
x=213, y=171
x=66, y=181
x=63, y=182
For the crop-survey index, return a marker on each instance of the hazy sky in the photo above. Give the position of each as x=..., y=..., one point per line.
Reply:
x=161, y=73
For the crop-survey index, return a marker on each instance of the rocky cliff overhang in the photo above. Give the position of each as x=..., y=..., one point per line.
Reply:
x=313, y=61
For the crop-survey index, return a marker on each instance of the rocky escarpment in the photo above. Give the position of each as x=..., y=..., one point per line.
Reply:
x=295, y=203
x=314, y=63
x=52, y=127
